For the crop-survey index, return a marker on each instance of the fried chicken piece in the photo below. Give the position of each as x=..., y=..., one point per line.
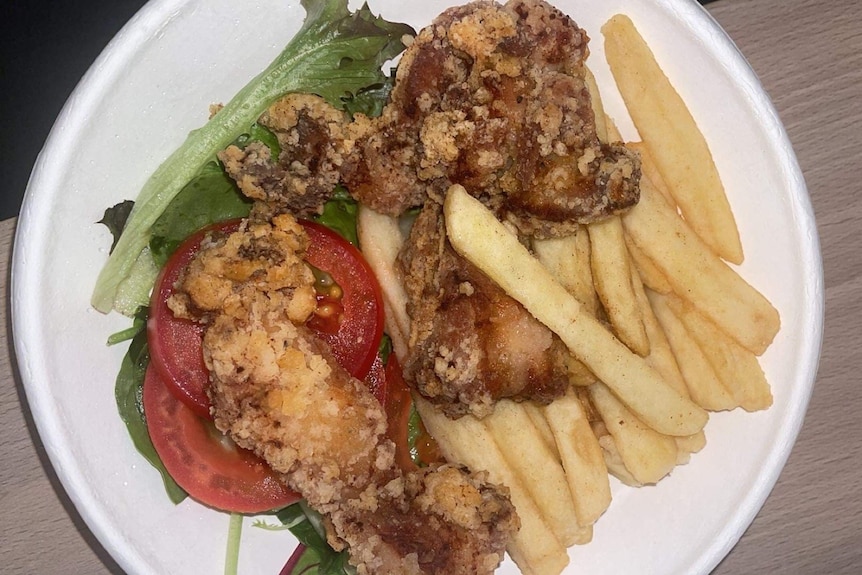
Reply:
x=493, y=98
x=277, y=390
x=490, y=97
x=302, y=178
x=470, y=343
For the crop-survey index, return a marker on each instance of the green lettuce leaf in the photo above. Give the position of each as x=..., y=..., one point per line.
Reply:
x=335, y=54
x=318, y=558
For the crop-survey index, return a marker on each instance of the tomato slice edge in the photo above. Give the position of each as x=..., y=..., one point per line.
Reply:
x=176, y=344
x=210, y=470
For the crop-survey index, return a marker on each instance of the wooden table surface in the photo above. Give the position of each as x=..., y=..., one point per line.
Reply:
x=809, y=55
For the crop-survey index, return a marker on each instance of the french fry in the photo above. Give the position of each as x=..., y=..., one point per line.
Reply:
x=691, y=443
x=537, y=416
x=609, y=256
x=650, y=171
x=611, y=127
x=672, y=136
x=661, y=357
x=596, y=102
x=612, y=278
x=736, y=367
x=581, y=456
x=380, y=240
x=579, y=374
x=647, y=454
x=613, y=459
x=476, y=234
x=564, y=259
x=534, y=548
x=650, y=274
x=568, y=260
x=697, y=274
x=587, y=295
x=703, y=383
x=533, y=461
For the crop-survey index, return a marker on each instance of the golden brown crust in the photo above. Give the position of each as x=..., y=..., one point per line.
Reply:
x=301, y=179
x=493, y=98
x=490, y=97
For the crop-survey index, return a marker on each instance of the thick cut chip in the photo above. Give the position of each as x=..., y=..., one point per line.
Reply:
x=651, y=276
x=650, y=170
x=704, y=386
x=736, y=367
x=534, y=548
x=478, y=236
x=661, y=357
x=613, y=459
x=568, y=260
x=537, y=466
x=672, y=136
x=537, y=416
x=698, y=275
x=647, y=454
x=612, y=278
x=581, y=455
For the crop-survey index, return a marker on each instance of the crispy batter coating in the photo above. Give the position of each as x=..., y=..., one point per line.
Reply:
x=490, y=97
x=309, y=132
x=493, y=97
x=470, y=343
x=277, y=389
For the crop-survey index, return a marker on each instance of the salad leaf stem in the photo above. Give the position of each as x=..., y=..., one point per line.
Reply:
x=335, y=54
x=234, y=534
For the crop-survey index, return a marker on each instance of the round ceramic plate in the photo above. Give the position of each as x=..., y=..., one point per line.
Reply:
x=154, y=84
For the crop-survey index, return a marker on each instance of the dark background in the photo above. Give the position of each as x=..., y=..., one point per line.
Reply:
x=46, y=48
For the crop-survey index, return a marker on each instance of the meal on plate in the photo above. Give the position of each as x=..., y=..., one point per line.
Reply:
x=434, y=312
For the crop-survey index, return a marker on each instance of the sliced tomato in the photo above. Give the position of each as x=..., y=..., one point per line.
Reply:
x=176, y=344
x=354, y=332
x=205, y=463
x=387, y=384
x=355, y=337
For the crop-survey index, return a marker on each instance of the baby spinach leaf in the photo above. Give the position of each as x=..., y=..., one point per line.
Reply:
x=212, y=196
x=128, y=392
x=339, y=214
x=115, y=218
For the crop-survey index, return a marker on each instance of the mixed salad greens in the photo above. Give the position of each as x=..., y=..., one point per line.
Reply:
x=338, y=55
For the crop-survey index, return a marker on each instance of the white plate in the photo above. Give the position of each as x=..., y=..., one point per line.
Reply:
x=154, y=83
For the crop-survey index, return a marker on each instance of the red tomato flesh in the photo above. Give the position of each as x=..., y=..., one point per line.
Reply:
x=205, y=463
x=360, y=327
x=388, y=386
x=175, y=344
